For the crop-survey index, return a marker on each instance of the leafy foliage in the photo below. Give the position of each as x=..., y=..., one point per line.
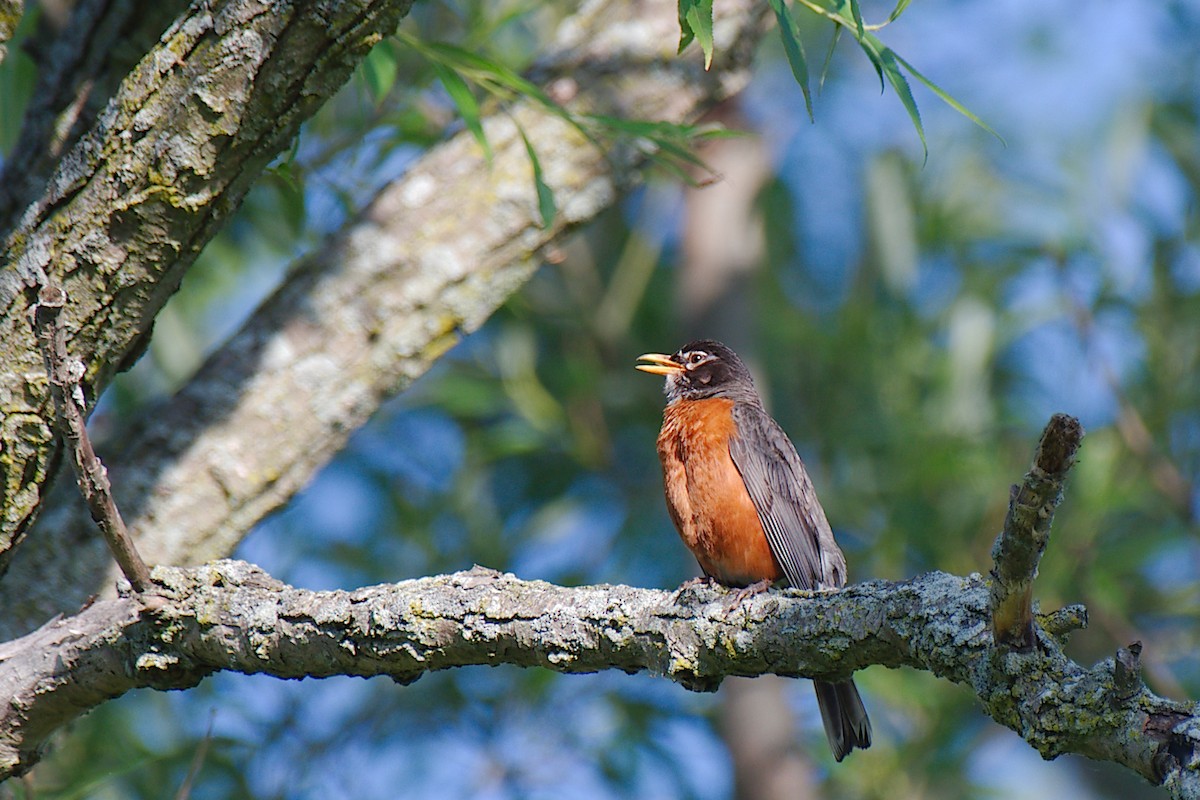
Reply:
x=789, y=33
x=846, y=15
x=668, y=145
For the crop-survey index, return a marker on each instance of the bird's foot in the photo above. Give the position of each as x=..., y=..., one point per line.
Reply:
x=691, y=583
x=758, y=587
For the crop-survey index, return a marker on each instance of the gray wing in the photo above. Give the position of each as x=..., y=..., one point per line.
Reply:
x=787, y=505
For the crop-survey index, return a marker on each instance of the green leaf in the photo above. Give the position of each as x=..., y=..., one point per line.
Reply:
x=898, y=10
x=671, y=141
x=873, y=55
x=673, y=168
x=491, y=76
x=18, y=76
x=466, y=104
x=488, y=74
x=789, y=32
x=856, y=15
x=949, y=100
x=547, y=208
x=380, y=68
x=477, y=67
x=833, y=40
x=680, y=152
x=867, y=41
x=650, y=129
x=891, y=68
x=717, y=131
x=700, y=20
x=686, y=34
x=887, y=64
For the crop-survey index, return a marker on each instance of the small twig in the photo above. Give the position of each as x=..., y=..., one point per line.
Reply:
x=1019, y=547
x=1064, y=621
x=1127, y=674
x=64, y=375
x=1115, y=623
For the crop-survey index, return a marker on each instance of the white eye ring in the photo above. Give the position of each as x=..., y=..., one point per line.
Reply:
x=697, y=357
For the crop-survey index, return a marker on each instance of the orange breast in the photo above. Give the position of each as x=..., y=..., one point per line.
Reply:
x=706, y=497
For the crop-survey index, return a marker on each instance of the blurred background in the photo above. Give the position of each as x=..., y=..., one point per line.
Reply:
x=912, y=324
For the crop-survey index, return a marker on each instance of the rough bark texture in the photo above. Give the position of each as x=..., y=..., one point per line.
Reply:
x=428, y=261
x=1020, y=545
x=131, y=204
x=81, y=62
x=229, y=615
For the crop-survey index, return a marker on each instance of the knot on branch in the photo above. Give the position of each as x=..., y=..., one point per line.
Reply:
x=1127, y=674
x=1064, y=621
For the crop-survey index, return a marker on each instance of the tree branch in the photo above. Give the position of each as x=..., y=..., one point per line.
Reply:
x=81, y=63
x=133, y=202
x=229, y=615
x=388, y=295
x=1026, y=531
x=69, y=405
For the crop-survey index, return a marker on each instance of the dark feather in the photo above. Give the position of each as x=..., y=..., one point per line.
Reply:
x=845, y=718
x=802, y=542
x=787, y=505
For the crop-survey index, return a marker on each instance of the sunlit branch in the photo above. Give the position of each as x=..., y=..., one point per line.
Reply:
x=229, y=615
x=197, y=476
x=64, y=375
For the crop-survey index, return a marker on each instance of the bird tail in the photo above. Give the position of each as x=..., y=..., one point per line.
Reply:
x=845, y=717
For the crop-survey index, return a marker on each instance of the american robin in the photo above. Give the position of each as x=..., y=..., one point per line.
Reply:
x=742, y=501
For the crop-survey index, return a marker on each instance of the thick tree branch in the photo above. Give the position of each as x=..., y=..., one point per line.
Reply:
x=136, y=198
x=229, y=615
x=1026, y=531
x=435, y=253
x=82, y=61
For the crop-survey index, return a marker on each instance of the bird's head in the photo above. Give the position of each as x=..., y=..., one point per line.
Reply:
x=700, y=370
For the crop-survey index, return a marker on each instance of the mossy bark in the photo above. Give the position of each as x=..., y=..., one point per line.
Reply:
x=428, y=261
x=129, y=207
x=229, y=615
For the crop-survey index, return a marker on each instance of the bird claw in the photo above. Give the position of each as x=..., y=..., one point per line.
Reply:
x=691, y=583
x=758, y=587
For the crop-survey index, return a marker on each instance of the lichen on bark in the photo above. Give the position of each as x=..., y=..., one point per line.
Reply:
x=130, y=205
x=230, y=615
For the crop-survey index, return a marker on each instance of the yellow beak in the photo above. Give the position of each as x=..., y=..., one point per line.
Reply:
x=659, y=364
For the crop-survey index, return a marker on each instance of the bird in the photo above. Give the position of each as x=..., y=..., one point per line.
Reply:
x=743, y=503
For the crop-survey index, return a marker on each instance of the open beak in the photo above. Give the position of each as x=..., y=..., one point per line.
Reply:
x=659, y=364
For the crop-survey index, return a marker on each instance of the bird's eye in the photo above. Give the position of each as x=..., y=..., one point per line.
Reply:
x=696, y=357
